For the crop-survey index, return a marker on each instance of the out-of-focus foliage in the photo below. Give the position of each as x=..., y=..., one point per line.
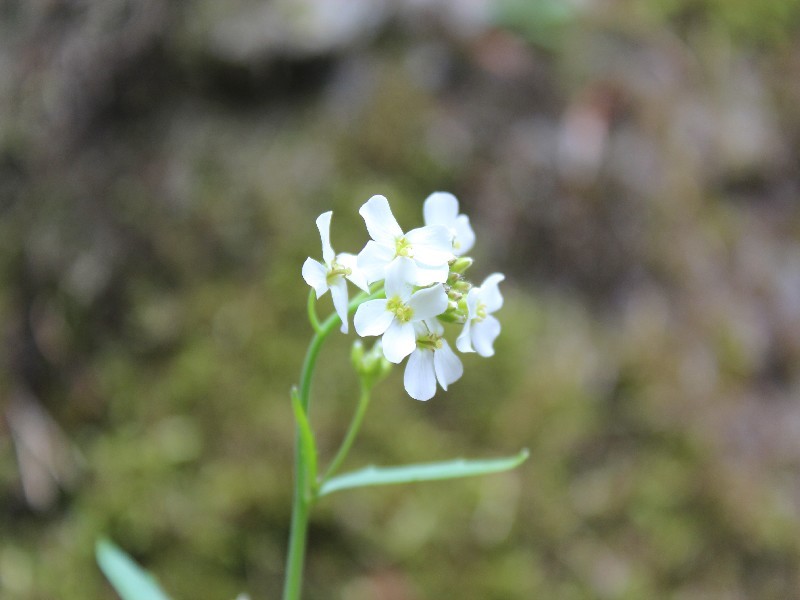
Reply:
x=766, y=23
x=127, y=578
x=161, y=166
x=539, y=22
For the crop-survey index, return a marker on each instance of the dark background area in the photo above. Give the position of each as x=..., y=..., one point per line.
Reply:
x=632, y=167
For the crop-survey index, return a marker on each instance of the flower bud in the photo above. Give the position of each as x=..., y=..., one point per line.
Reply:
x=462, y=286
x=371, y=365
x=454, y=313
x=461, y=264
x=449, y=317
x=357, y=355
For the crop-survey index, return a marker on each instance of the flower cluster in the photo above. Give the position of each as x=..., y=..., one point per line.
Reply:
x=422, y=275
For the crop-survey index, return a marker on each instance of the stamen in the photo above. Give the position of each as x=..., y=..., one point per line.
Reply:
x=403, y=247
x=401, y=311
x=480, y=312
x=430, y=341
x=337, y=270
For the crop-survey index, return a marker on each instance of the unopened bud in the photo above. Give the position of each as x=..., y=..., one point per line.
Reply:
x=462, y=286
x=450, y=316
x=371, y=365
x=357, y=355
x=461, y=264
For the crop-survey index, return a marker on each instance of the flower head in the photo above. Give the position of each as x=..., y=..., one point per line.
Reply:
x=432, y=360
x=441, y=208
x=430, y=247
x=422, y=274
x=332, y=272
x=481, y=328
x=395, y=316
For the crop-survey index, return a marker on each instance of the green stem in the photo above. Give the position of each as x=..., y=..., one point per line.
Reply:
x=297, y=545
x=301, y=504
x=312, y=311
x=352, y=431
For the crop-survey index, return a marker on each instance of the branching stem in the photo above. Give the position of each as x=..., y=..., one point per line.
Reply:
x=301, y=504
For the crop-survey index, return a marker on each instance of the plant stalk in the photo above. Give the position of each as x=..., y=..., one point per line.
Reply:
x=302, y=501
x=352, y=431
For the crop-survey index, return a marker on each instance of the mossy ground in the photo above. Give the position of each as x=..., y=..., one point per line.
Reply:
x=634, y=175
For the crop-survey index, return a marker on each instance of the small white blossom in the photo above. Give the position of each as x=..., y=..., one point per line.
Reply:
x=331, y=274
x=441, y=208
x=394, y=317
x=432, y=360
x=429, y=247
x=481, y=328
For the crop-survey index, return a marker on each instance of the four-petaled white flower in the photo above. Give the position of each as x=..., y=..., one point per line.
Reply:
x=430, y=247
x=394, y=317
x=331, y=275
x=432, y=360
x=481, y=328
x=441, y=208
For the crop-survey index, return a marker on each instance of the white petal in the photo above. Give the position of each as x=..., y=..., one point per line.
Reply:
x=350, y=261
x=339, y=295
x=473, y=296
x=420, y=328
x=324, y=226
x=490, y=293
x=447, y=365
x=419, y=378
x=484, y=334
x=399, y=341
x=465, y=237
x=432, y=244
x=433, y=326
x=372, y=318
x=400, y=278
x=426, y=276
x=428, y=302
x=316, y=275
x=372, y=260
x=464, y=339
x=440, y=208
x=381, y=224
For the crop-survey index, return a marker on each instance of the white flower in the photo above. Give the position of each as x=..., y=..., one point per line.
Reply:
x=331, y=275
x=432, y=360
x=429, y=247
x=481, y=328
x=395, y=316
x=441, y=208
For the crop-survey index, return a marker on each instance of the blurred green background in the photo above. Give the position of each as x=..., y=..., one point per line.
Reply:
x=632, y=166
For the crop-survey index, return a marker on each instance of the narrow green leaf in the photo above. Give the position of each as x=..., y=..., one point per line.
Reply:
x=129, y=580
x=307, y=446
x=421, y=472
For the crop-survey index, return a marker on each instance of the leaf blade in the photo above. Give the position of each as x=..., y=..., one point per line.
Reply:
x=129, y=580
x=453, y=469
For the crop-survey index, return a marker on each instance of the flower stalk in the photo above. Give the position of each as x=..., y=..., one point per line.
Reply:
x=350, y=436
x=305, y=494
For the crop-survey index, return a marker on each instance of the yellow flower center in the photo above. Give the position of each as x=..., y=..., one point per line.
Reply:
x=403, y=247
x=430, y=341
x=336, y=270
x=402, y=312
x=480, y=312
